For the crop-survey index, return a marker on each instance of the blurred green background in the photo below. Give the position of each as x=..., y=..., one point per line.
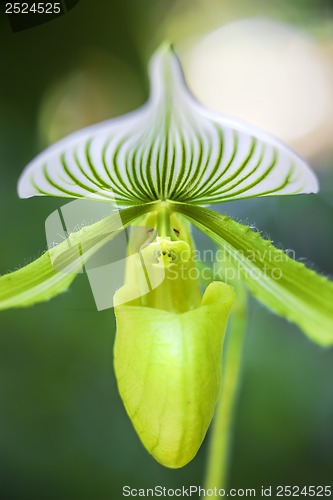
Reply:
x=63, y=430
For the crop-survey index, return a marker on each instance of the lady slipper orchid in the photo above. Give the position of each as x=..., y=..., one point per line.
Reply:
x=168, y=347
x=161, y=165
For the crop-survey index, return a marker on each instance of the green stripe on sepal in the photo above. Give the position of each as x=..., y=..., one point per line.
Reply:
x=284, y=285
x=170, y=149
x=168, y=368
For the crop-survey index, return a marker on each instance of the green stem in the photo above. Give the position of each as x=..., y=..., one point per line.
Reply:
x=219, y=445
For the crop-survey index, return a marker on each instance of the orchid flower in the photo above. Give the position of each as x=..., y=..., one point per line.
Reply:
x=158, y=168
